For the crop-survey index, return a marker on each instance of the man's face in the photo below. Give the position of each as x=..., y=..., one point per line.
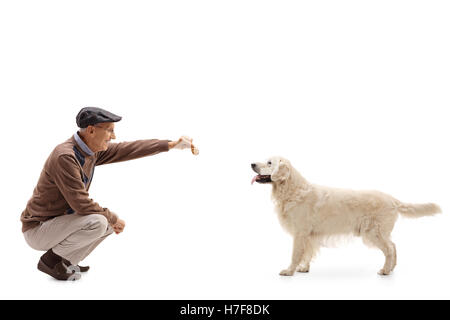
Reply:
x=101, y=136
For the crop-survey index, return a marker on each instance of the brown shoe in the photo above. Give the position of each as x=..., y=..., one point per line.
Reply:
x=83, y=269
x=59, y=271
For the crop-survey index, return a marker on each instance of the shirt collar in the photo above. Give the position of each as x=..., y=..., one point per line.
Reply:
x=82, y=145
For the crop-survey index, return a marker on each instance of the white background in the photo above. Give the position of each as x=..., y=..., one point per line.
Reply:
x=354, y=93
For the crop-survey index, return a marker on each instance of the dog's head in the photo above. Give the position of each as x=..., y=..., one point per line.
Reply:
x=275, y=169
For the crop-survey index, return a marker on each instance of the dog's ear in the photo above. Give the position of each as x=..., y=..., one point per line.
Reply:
x=281, y=172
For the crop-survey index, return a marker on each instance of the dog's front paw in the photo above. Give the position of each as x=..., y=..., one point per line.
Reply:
x=303, y=269
x=384, y=272
x=287, y=272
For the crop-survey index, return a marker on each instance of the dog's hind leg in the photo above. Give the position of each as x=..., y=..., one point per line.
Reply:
x=297, y=255
x=384, y=244
x=391, y=257
x=395, y=255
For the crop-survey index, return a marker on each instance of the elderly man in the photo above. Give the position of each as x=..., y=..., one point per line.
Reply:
x=60, y=217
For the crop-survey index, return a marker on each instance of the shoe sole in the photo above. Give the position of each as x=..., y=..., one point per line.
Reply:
x=44, y=268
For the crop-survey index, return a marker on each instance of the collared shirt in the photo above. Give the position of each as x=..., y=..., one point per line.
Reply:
x=82, y=145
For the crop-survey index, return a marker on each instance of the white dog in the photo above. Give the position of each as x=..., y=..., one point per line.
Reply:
x=312, y=213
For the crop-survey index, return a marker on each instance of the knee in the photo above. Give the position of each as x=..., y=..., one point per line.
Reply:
x=98, y=224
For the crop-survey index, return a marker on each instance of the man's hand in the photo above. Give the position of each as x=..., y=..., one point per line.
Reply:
x=119, y=226
x=183, y=143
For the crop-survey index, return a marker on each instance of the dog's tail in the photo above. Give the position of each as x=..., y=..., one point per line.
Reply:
x=410, y=210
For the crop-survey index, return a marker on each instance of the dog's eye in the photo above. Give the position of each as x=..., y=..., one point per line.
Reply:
x=269, y=163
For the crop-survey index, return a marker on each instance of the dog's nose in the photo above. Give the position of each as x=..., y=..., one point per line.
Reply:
x=253, y=165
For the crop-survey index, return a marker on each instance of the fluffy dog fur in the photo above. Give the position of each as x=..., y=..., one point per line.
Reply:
x=312, y=213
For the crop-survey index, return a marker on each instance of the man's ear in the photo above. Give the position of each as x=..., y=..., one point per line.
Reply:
x=281, y=172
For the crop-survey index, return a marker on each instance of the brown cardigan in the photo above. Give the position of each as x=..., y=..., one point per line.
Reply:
x=67, y=174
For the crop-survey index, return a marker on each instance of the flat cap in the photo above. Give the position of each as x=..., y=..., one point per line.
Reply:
x=90, y=116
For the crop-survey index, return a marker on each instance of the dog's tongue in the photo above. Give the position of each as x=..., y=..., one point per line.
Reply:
x=254, y=179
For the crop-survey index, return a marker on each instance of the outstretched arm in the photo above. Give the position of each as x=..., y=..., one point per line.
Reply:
x=124, y=151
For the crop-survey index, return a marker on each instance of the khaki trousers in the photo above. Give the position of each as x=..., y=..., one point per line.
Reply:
x=72, y=236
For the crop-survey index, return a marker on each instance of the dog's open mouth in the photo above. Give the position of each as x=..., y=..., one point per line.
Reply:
x=262, y=178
